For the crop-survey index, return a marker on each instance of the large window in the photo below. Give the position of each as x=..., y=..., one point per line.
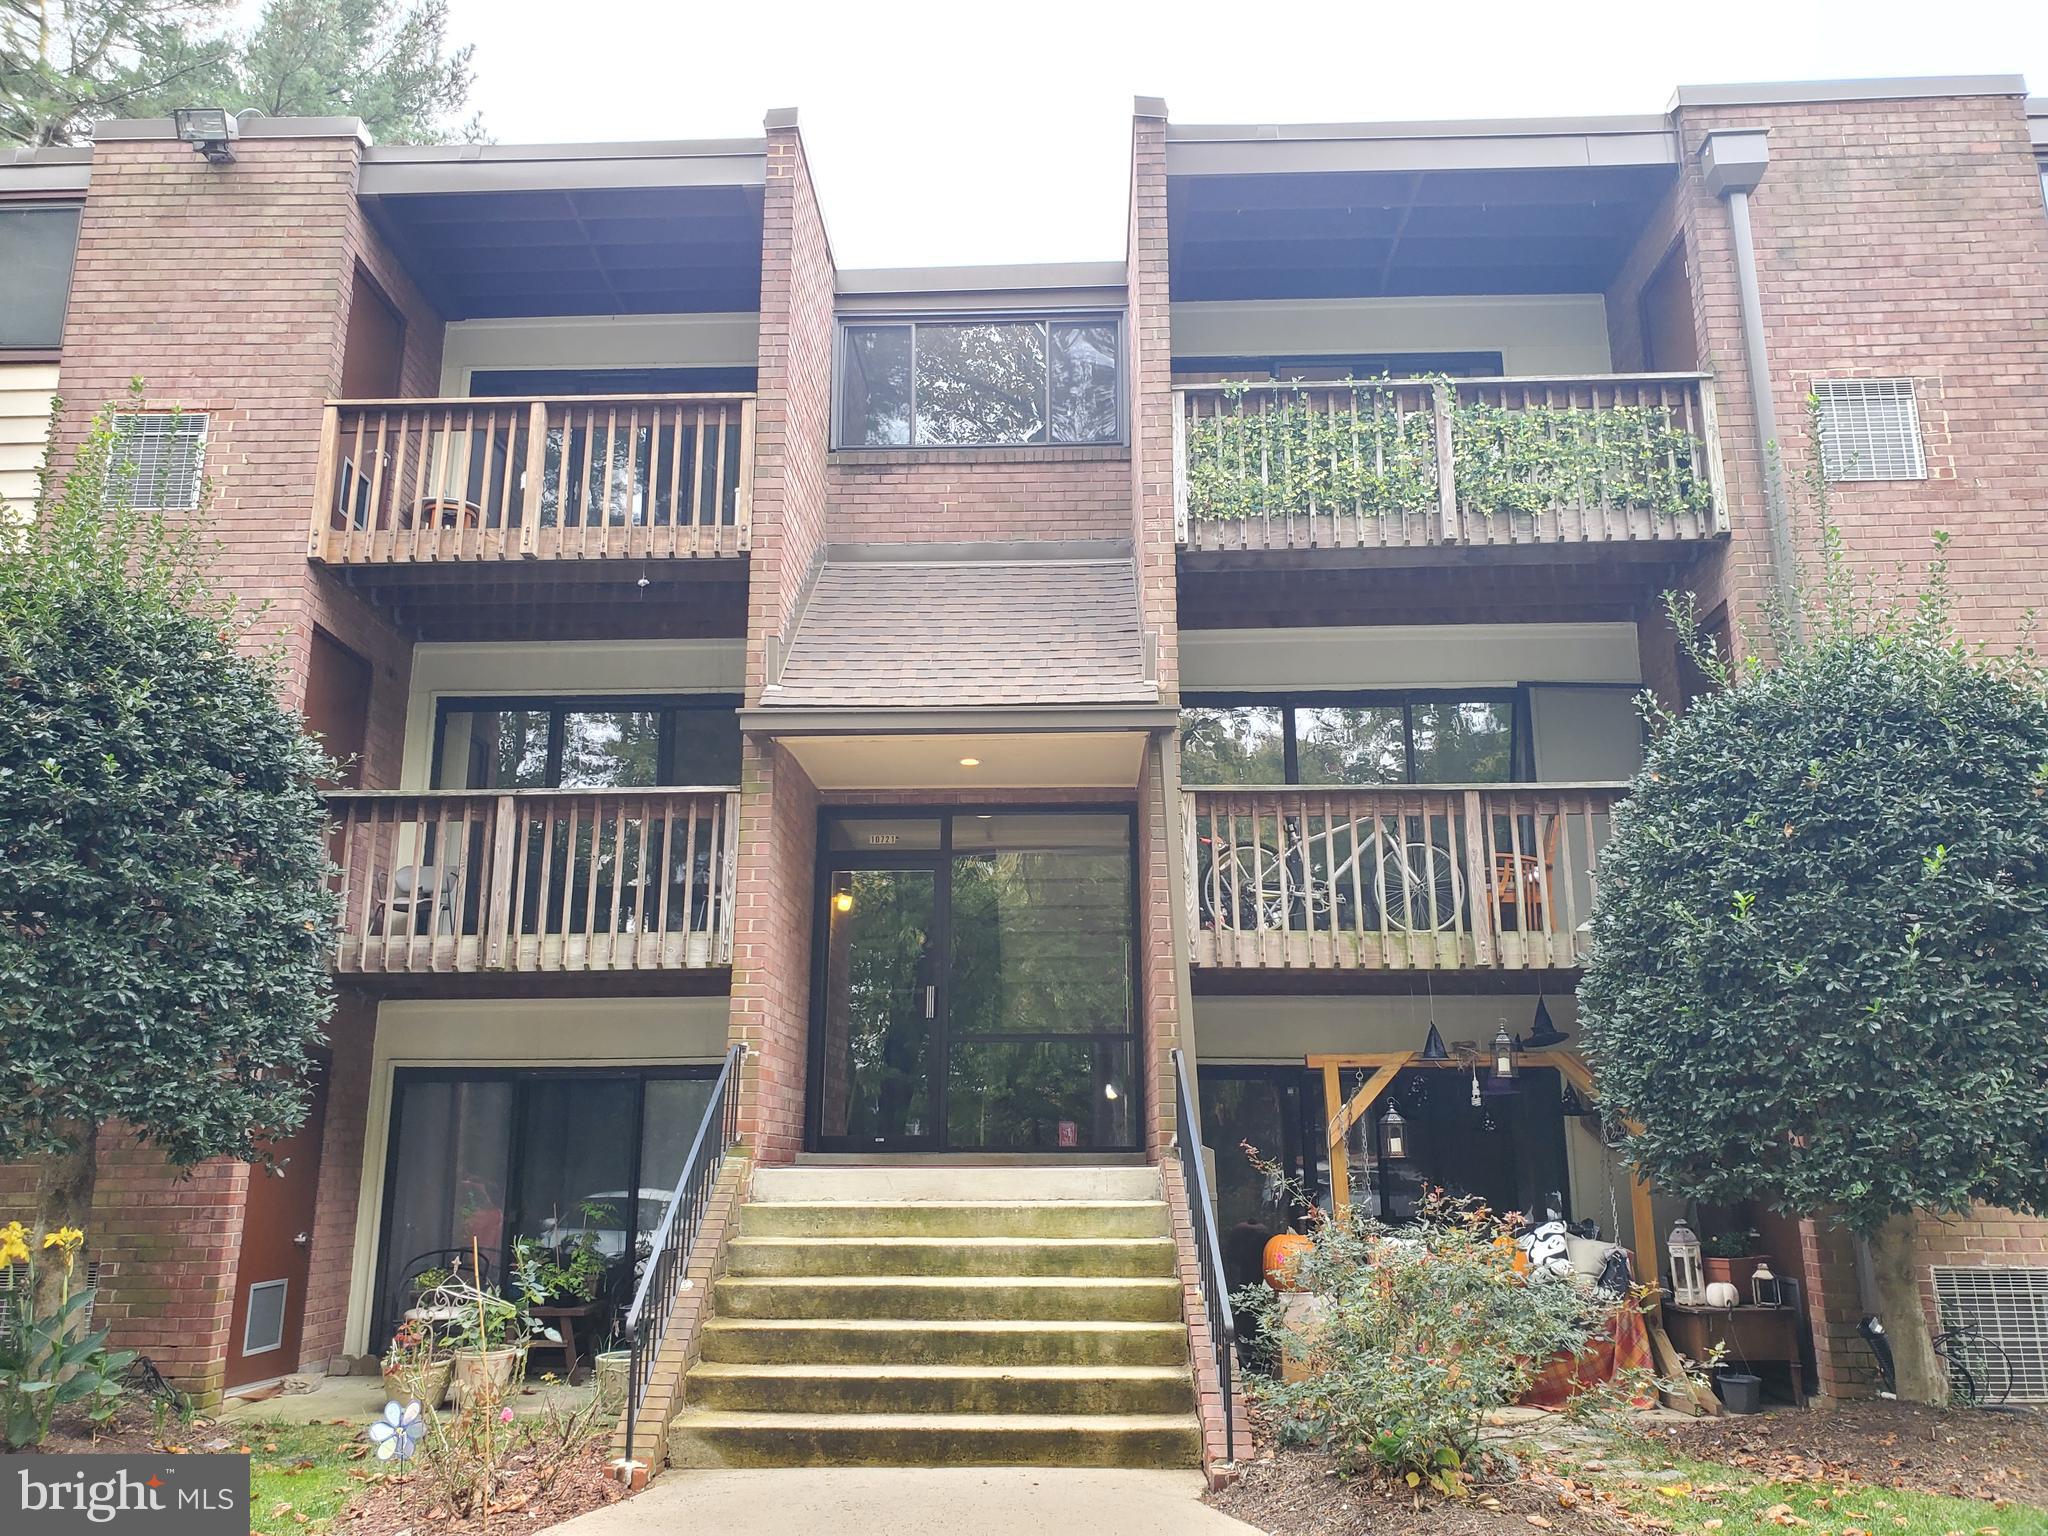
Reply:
x=979, y=383
x=36, y=247
x=1418, y=738
x=597, y=743
x=492, y=1156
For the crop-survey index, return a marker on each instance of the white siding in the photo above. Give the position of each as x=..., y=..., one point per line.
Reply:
x=25, y=391
x=1534, y=334
x=597, y=341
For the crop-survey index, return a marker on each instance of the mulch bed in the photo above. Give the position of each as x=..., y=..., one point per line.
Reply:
x=580, y=1485
x=1967, y=1453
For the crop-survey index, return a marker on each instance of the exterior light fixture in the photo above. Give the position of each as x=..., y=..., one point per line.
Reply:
x=1543, y=1034
x=1433, y=1046
x=1688, y=1278
x=1395, y=1130
x=1109, y=1092
x=209, y=130
x=842, y=893
x=970, y=762
x=1505, y=1066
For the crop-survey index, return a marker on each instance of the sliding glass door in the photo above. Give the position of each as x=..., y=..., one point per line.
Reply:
x=975, y=984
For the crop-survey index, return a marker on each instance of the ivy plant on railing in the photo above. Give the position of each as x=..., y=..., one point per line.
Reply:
x=1298, y=455
x=1309, y=450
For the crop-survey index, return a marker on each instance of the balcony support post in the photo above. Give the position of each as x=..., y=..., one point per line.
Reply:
x=504, y=812
x=536, y=471
x=1478, y=881
x=323, y=482
x=1441, y=402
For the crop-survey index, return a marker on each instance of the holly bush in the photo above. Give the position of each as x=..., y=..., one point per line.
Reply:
x=163, y=868
x=1821, y=936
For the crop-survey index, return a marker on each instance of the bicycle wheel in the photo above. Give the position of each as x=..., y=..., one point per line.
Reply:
x=1979, y=1373
x=1423, y=891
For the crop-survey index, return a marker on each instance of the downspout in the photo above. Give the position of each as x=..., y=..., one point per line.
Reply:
x=1733, y=161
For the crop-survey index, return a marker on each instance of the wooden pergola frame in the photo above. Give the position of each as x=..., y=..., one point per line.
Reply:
x=1341, y=1114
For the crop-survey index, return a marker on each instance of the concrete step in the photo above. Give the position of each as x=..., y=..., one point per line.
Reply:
x=1060, y=1181
x=953, y=1218
x=957, y=1256
x=937, y=1298
x=710, y=1438
x=819, y=1341
x=1085, y=1389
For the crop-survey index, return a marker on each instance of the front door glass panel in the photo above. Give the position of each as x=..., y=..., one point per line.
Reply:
x=880, y=1008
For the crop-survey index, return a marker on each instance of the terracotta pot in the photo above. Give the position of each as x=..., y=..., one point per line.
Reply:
x=425, y=1384
x=490, y=1371
x=1735, y=1272
x=1283, y=1252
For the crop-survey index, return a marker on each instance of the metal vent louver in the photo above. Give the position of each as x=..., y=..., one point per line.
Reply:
x=2007, y=1307
x=1870, y=430
x=16, y=1275
x=158, y=460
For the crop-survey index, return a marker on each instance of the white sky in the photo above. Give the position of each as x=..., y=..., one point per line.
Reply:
x=970, y=132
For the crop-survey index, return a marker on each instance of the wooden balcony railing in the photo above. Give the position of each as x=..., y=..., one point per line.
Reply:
x=1401, y=877
x=1394, y=463
x=588, y=477
x=535, y=880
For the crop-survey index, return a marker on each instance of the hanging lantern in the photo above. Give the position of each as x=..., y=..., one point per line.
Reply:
x=1433, y=1045
x=1395, y=1130
x=1504, y=1063
x=1764, y=1290
x=1542, y=1033
x=1475, y=1088
x=842, y=893
x=1688, y=1279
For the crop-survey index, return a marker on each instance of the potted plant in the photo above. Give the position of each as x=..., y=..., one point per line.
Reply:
x=416, y=1368
x=486, y=1336
x=1731, y=1257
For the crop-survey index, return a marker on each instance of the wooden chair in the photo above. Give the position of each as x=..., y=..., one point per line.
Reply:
x=1517, y=876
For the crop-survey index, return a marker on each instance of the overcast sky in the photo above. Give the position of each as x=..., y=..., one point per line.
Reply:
x=983, y=132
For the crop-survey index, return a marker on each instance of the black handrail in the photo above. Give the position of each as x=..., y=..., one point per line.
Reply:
x=668, y=1258
x=1202, y=1212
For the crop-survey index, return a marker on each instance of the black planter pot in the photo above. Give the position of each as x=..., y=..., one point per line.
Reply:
x=1741, y=1392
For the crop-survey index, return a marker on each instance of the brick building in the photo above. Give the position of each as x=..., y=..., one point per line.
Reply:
x=967, y=688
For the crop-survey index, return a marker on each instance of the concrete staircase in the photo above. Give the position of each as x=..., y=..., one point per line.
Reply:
x=922, y=1316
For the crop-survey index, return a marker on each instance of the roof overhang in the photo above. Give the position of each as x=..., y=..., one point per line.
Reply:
x=1508, y=144
x=396, y=170
x=1036, y=285
x=61, y=171
x=1104, y=752
x=807, y=720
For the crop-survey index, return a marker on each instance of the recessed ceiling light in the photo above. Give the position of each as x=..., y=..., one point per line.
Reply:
x=970, y=762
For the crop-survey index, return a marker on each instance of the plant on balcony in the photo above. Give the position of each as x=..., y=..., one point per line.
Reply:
x=1820, y=964
x=1310, y=450
x=164, y=906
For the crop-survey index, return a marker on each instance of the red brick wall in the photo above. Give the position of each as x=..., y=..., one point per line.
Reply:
x=771, y=961
x=352, y=1034
x=979, y=494
x=1159, y=990
x=1151, y=360
x=794, y=394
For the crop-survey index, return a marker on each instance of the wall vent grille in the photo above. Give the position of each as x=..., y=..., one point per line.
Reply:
x=2007, y=1307
x=16, y=1275
x=159, y=461
x=1870, y=430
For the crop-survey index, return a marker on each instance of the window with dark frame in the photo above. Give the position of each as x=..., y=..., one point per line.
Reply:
x=601, y=742
x=37, y=246
x=1478, y=736
x=994, y=382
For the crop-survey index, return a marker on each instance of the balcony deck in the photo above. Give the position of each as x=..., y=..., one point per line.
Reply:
x=534, y=880
x=489, y=481
x=1419, y=465
x=1395, y=877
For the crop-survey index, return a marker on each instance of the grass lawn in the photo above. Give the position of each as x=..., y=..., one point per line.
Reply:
x=301, y=1475
x=1705, y=1498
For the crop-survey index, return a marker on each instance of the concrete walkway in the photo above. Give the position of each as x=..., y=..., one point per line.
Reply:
x=914, y=1501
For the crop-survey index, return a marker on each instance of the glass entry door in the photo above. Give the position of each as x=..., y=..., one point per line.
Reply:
x=975, y=984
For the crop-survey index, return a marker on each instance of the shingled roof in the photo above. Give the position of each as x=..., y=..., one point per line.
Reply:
x=936, y=634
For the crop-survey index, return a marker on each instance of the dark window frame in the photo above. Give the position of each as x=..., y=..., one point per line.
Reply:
x=1521, y=735
x=404, y=1077
x=38, y=351
x=941, y=860
x=911, y=321
x=1285, y=367
x=559, y=705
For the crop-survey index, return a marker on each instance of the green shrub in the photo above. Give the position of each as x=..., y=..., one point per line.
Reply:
x=1411, y=1338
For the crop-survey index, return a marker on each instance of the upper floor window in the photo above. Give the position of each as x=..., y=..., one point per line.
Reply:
x=36, y=247
x=159, y=460
x=961, y=383
x=596, y=743
x=1869, y=429
x=1379, y=738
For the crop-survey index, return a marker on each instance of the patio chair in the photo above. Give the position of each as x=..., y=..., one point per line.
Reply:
x=402, y=900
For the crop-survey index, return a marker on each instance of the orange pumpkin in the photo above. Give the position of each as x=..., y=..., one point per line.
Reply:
x=1283, y=1252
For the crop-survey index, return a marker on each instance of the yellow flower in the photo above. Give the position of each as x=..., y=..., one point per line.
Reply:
x=70, y=1239
x=13, y=1244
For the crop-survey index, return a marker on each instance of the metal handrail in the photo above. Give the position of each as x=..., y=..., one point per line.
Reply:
x=668, y=1258
x=1208, y=1252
